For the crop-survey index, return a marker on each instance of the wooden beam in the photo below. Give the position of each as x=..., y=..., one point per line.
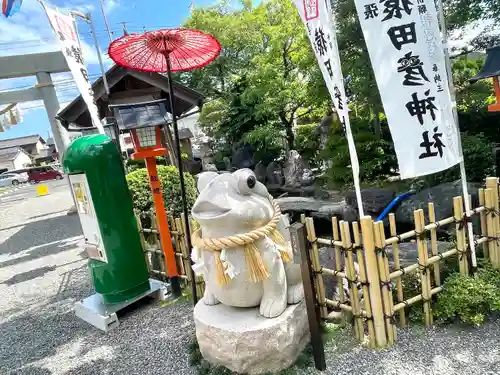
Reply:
x=28, y=65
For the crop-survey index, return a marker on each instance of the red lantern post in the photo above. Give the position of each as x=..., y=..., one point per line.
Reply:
x=148, y=145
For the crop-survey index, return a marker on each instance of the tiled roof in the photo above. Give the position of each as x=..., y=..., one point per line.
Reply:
x=21, y=141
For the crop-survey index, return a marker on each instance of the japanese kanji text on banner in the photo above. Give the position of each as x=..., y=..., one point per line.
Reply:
x=317, y=17
x=64, y=27
x=405, y=49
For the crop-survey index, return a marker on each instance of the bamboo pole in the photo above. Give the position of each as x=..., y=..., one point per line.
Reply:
x=303, y=219
x=344, y=307
x=490, y=226
x=157, y=259
x=184, y=249
x=367, y=231
x=143, y=241
x=422, y=260
x=385, y=281
x=338, y=262
x=434, y=246
x=411, y=233
x=178, y=251
x=364, y=282
x=198, y=280
x=492, y=183
x=484, y=230
x=458, y=213
x=352, y=279
x=416, y=299
x=311, y=235
x=397, y=265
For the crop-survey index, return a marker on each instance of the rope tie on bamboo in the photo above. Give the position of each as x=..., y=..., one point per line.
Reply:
x=391, y=318
x=463, y=252
x=423, y=267
x=462, y=223
x=492, y=210
x=420, y=235
x=386, y=284
x=318, y=272
x=381, y=250
x=426, y=300
x=399, y=238
x=256, y=268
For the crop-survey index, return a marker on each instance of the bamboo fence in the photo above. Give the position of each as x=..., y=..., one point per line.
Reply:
x=155, y=258
x=376, y=295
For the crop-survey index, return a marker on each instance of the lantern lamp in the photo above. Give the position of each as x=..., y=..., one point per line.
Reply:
x=491, y=69
x=144, y=121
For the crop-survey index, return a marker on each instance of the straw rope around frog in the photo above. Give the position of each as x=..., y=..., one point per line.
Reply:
x=256, y=268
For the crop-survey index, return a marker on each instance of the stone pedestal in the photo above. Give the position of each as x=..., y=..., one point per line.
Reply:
x=244, y=341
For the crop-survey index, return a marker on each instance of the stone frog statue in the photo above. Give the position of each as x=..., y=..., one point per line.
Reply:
x=243, y=263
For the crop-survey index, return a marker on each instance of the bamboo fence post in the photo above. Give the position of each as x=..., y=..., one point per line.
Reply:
x=397, y=265
x=143, y=241
x=338, y=263
x=362, y=278
x=367, y=231
x=198, y=280
x=484, y=230
x=434, y=246
x=320, y=287
x=303, y=219
x=492, y=183
x=490, y=226
x=423, y=267
x=184, y=250
x=352, y=280
x=157, y=259
x=458, y=215
x=385, y=281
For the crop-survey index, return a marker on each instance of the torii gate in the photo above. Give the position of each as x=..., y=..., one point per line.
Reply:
x=41, y=65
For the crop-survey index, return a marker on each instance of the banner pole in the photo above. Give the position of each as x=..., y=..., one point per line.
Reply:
x=463, y=175
x=353, y=155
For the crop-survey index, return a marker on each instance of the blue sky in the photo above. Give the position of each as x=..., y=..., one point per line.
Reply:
x=29, y=32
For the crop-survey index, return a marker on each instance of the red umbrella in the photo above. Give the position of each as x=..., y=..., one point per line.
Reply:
x=167, y=50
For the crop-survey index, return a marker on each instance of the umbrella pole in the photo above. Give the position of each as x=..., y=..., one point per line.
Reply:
x=181, y=177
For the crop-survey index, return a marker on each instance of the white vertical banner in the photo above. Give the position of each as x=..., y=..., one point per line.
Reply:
x=404, y=44
x=318, y=19
x=64, y=28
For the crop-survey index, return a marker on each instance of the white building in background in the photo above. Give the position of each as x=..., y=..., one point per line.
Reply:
x=13, y=158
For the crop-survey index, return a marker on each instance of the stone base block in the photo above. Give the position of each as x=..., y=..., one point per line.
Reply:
x=245, y=342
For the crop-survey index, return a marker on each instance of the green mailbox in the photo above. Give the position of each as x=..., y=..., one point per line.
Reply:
x=104, y=204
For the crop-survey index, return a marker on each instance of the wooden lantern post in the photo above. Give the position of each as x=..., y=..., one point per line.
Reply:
x=148, y=145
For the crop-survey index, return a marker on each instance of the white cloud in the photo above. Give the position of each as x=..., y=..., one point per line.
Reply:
x=110, y=5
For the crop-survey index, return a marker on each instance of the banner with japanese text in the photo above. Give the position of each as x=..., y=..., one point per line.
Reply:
x=64, y=28
x=404, y=44
x=318, y=19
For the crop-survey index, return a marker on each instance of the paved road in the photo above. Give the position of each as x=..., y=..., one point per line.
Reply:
x=43, y=273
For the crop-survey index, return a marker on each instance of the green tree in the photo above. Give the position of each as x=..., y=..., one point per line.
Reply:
x=265, y=73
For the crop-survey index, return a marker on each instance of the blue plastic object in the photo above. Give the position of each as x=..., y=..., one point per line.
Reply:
x=393, y=203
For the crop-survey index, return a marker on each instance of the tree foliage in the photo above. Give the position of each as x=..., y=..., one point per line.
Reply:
x=266, y=70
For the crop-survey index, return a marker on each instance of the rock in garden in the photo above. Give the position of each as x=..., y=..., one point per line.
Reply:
x=245, y=342
x=243, y=157
x=294, y=168
x=442, y=197
x=307, y=178
x=274, y=174
x=374, y=199
x=260, y=172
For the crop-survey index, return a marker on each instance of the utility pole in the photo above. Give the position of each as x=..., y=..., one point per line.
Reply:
x=105, y=20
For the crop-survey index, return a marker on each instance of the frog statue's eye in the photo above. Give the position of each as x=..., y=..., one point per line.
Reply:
x=246, y=181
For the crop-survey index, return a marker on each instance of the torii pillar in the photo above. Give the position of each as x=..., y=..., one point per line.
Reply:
x=41, y=65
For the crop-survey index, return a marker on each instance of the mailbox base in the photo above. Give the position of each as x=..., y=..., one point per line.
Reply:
x=103, y=316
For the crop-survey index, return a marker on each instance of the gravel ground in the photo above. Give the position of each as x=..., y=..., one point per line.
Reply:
x=42, y=274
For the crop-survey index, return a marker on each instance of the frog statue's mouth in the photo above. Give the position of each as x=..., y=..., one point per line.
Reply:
x=208, y=210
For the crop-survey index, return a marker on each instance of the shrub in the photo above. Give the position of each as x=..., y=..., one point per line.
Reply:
x=469, y=298
x=142, y=197
x=479, y=162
